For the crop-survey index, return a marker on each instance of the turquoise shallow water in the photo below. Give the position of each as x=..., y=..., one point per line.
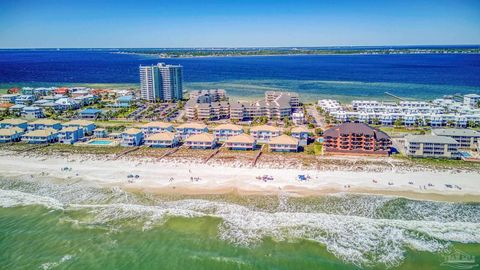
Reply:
x=62, y=224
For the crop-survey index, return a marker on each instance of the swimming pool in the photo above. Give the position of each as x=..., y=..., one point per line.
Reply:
x=100, y=142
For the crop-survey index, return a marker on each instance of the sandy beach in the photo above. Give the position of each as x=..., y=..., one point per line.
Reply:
x=171, y=176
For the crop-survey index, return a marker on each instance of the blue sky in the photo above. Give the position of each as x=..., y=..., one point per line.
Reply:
x=232, y=23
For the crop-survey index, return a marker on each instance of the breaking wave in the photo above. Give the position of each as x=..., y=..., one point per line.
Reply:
x=362, y=230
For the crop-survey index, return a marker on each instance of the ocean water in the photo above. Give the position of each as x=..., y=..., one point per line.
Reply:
x=423, y=76
x=65, y=224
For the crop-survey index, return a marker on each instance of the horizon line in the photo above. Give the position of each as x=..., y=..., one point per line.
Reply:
x=248, y=47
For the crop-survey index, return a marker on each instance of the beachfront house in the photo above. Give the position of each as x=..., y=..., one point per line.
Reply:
x=48, y=135
x=264, y=133
x=12, y=134
x=283, y=143
x=70, y=135
x=14, y=122
x=188, y=129
x=201, y=141
x=431, y=146
x=90, y=113
x=31, y=112
x=162, y=140
x=467, y=138
x=156, y=127
x=225, y=131
x=240, y=142
x=301, y=134
x=132, y=137
x=87, y=126
x=44, y=124
x=100, y=133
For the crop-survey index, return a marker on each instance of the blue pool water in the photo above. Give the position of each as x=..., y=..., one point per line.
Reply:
x=100, y=142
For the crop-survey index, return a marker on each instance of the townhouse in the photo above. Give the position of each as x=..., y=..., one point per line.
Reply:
x=240, y=142
x=156, y=127
x=14, y=122
x=162, y=140
x=201, y=141
x=188, y=129
x=466, y=138
x=87, y=126
x=283, y=143
x=39, y=136
x=224, y=131
x=44, y=124
x=132, y=137
x=11, y=134
x=264, y=133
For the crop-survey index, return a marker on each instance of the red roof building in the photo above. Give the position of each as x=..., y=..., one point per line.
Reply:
x=356, y=138
x=61, y=91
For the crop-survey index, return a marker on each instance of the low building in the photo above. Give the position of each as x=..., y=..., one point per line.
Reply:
x=201, y=141
x=87, y=126
x=356, y=138
x=471, y=100
x=264, y=133
x=431, y=146
x=298, y=118
x=301, y=134
x=32, y=112
x=162, y=140
x=67, y=104
x=132, y=137
x=224, y=131
x=124, y=101
x=90, y=113
x=283, y=143
x=14, y=122
x=156, y=127
x=48, y=135
x=241, y=142
x=70, y=135
x=467, y=138
x=25, y=100
x=12, y=134
x=8, y=98
x=100, y=133
x=44, y=124
x=188, y=129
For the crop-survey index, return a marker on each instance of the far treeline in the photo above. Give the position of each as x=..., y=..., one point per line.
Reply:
x=170, y=53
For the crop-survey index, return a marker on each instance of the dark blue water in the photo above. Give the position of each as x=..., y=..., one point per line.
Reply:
x=357, y=75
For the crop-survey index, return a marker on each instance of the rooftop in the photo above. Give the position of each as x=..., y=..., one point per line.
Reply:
x=228, y=127
x=13, y=121
x=41, y=132
x=192, y=125
x=455, y=132
x=283, y=139
x=265, y=128
x=163, y=136
x=78, y=122
x=202, y=137
x=299, y=129
x=132, y=131
x=430, y=139
x=241, y=138
x=48, y=122
x=10, y=131
x=355, y=128
x=158, y=124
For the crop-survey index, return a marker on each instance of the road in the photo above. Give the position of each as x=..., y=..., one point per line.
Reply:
x=319, y=119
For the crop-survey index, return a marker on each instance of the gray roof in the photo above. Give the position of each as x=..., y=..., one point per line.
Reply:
x=455, y=132
x=430, y=139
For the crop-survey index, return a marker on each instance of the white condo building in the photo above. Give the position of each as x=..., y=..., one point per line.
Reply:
x=161, y=82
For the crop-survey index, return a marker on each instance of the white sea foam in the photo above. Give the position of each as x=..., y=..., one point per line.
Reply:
x=354, y=232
